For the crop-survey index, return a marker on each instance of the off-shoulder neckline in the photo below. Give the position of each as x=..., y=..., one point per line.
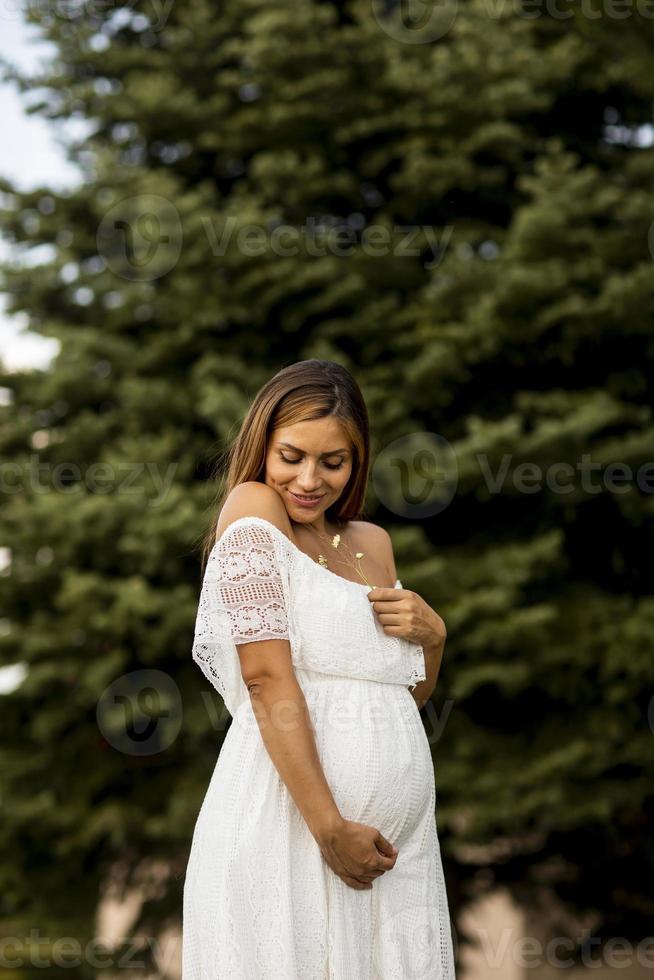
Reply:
x=291, y=544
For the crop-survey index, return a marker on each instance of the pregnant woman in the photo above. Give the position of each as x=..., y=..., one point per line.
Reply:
x=315, y=854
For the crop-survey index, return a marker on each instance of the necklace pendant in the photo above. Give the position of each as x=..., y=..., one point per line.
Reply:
x=335, y=542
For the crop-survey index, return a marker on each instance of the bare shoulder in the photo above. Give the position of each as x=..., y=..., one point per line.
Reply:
x=373, y=533
x=377, y=539
x=253, y=499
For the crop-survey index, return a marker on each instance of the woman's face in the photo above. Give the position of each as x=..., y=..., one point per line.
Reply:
x=310, y=459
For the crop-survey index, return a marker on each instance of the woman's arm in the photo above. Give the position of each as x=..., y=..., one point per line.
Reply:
x=277, y=699
x=284, y=721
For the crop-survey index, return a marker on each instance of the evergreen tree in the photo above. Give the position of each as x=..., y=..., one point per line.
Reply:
x=504, y=302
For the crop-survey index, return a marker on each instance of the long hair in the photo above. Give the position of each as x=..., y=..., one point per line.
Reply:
x=299, y=392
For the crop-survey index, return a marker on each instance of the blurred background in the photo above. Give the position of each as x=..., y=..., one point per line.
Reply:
x=454, y=200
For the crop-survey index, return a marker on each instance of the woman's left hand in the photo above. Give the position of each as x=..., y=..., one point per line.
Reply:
x=404, y=613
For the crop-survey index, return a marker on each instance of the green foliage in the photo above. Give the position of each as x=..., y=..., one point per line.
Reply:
x=515, y=320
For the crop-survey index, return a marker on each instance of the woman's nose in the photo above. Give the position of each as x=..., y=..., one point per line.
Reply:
x=308, y=480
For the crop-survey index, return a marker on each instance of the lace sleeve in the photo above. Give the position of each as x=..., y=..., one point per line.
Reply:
x=245, y=596
x=250, y=585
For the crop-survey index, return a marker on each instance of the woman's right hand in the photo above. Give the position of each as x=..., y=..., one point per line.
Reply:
x=357, y=852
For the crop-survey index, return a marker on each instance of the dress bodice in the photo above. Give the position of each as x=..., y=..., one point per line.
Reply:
x=259, y=585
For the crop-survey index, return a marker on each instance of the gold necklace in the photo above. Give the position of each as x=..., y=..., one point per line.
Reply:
x=336, y=542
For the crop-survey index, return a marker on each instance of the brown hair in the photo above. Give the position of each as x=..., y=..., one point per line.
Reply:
x=311, y=389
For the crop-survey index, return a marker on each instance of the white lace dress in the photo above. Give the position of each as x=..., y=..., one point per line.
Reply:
x=260, y=901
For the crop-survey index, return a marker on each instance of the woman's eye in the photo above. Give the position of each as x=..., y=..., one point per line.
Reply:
x=330, y=466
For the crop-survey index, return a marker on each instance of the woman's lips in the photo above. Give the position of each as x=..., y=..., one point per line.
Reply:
x=303, y=502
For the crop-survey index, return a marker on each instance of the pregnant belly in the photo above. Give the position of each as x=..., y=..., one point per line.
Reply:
x=374, y=752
